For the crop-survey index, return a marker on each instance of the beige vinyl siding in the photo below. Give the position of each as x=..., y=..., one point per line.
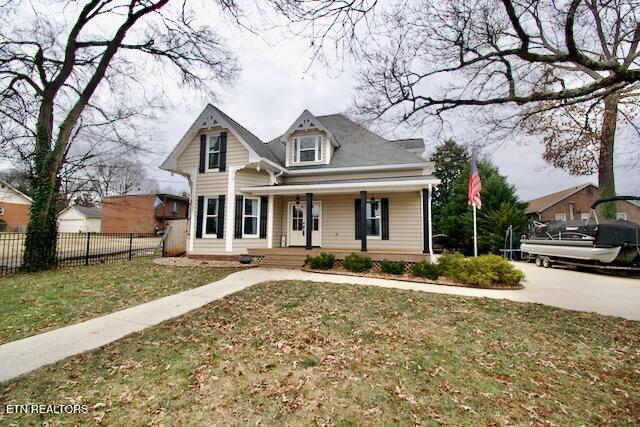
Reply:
x=278, y=223
x=338, y=222
x=211, y=184
x=237, y=154
x=250, y=177
x=299, y=179
x=216, y=246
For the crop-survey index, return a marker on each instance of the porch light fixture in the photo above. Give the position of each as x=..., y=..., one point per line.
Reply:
x=297, y=200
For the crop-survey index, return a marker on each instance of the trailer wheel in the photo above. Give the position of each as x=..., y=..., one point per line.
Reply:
x=538, y=261
x=546, y=262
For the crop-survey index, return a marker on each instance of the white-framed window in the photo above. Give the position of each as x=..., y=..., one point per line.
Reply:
x=374, y=219
x=1, y=211
x=213, y=152
x=621, y=215
x=250, y=216
x=585, y=216
x=174, y=207
x=561, y=216
x=307, y=149
x=211, y=217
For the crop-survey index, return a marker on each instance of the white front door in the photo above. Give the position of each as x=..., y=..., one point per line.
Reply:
x=297, y=224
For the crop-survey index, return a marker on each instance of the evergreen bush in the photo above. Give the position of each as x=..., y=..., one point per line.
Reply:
x=392, y=267
x=357, y=263
x=324, y=261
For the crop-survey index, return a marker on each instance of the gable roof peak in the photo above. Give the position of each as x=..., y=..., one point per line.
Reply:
x=307, y=121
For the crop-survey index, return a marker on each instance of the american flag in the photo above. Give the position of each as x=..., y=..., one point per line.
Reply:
x=475, y=186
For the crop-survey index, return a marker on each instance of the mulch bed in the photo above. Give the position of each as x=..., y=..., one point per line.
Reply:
x=409, y=278
x=205, y=263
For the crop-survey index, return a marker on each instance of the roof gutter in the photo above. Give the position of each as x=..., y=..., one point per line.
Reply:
x=396, y=166
x=343, y=187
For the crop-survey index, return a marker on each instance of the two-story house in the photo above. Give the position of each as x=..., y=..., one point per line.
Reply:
x=327, y=183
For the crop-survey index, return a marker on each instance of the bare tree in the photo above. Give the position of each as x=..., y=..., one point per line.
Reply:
x=79, y=67
x=426, y=58
x=118, y=177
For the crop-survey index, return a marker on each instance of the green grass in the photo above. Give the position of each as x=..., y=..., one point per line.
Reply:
x=300, y=353
x=33, y=303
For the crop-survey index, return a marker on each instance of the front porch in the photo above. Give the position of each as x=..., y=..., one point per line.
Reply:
x=382, y=217
x=292, y=257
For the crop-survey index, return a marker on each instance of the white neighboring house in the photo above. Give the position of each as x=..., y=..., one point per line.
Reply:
x=79, y=219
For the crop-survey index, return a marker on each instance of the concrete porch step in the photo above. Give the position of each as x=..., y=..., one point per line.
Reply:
x=284, y=260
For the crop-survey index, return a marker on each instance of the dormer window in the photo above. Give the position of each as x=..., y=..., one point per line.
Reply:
x=307, y=149
x=214, y=151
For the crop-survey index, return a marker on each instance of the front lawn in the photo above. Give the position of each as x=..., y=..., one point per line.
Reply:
x=301, y=353
x=34, y=303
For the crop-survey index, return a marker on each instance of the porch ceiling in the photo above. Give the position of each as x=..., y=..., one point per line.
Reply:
x=413, y=183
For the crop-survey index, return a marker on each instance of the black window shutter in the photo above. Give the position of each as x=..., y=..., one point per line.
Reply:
x=238, y=222
x=203, y=152
x=223, y=152
x=199, y=216
x=220, y=232
x=384, y=212
x=264, y=209
x=357, y=217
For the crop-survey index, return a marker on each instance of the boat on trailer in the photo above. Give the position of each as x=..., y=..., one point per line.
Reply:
x=591, y=242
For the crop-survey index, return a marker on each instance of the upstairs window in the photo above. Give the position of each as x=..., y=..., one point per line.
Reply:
x=561, y=216
x=174, y=207
x=307, y=149
x=214, y=152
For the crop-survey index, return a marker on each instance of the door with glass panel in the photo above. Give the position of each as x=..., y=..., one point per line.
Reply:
x=297, y=219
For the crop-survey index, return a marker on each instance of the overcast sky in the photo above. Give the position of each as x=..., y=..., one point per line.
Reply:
x=273, y=89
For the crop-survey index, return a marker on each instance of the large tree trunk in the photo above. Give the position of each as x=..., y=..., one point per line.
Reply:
x=606, y=178
x=40, y=244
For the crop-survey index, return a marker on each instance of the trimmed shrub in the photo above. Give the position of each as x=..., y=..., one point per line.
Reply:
x=426, y=269
x=324, y=261
x=485, y=270
x=3, y=225
x=357, y=263
x=392, y=267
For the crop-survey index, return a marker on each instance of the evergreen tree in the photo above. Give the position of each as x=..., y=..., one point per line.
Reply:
x=500, y=209
x=450, y=159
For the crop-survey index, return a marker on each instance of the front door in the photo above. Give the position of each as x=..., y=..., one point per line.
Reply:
x=298, y=222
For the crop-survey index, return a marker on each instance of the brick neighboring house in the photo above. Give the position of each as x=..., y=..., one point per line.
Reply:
x=574, y=203
x=15, y=208
x=143, y=213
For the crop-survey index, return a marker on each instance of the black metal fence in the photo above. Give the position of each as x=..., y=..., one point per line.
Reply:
x=83, y=248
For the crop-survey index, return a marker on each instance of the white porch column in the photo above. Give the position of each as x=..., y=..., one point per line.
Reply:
x=193, y=179
x=230, y=214
x=270, y=222
x=430, y=221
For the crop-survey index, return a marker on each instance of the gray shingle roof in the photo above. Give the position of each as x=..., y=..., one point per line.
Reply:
x=89, y=212
x=358, y=146
x=408, y=144
x=262, y=149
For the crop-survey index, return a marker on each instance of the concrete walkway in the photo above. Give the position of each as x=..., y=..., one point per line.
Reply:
x=562, y=288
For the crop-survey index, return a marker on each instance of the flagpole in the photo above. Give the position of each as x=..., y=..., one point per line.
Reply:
x=475, y=233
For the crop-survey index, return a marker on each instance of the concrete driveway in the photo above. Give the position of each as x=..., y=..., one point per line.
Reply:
x=577, y=290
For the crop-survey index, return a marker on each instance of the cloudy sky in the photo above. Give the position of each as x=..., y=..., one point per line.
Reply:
x=275, y=87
